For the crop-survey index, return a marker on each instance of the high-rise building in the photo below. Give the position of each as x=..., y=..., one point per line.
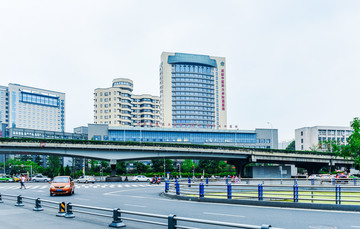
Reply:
x=118, y=106
x=32, y=108
x=192, y=91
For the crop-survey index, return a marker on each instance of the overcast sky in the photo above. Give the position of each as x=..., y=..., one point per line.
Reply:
x=289, y=63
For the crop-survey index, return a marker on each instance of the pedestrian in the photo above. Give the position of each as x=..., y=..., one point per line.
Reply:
x=22, y=182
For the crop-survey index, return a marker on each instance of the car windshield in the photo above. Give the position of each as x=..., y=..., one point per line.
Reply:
x=61, y=180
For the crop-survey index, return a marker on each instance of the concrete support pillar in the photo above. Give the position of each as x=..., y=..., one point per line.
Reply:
x=239, y=166
x=113, y=167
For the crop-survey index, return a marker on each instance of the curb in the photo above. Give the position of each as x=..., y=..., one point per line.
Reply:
x=267, y=203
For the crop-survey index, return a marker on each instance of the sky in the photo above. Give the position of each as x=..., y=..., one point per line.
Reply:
x=290, y=64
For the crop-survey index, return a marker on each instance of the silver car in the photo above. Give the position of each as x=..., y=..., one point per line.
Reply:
x=86, y=179
x=40, y=178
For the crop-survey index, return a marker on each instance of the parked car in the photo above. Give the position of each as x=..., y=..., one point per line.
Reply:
x=41, y=178
x=315, y=176
x=141, y=178
x=86, y=179
x=16, y=179
x=62, y=185
x=341, y=178
x=6, y=178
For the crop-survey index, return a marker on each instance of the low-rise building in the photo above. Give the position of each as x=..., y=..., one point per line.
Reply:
x=258, y=138
x=311, y=138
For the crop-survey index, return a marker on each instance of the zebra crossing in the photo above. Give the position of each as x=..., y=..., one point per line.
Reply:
x=77, y=186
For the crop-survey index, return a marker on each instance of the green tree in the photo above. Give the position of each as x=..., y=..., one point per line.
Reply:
x=67, y=170
x=352, y=149
x=54, y=165
x=120, y=167
x=187, y=166
x=210, y=166
x=141, y=167
x=291, y=146
x=158, y=165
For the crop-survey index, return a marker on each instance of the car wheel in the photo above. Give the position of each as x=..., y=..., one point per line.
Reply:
x=51, y=194
x=86, y=182
x=45, y=180
x=148, y=180
x=93, y=182
x=137, y=180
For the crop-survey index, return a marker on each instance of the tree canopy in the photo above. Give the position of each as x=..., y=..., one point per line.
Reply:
x=352, y=149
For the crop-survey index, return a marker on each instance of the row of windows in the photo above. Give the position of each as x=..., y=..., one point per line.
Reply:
x=193, y=108
x=39, y=99
x=192, y=117
x=193, y=112
x=192, y=68
x=122, y=83
x=194, y=122
x=194, y=105
x=193, y=100
x=193, y=89
x=176, y=78
x=334, y=132
x=202, y=85
x=194, y=94
x=323, y=139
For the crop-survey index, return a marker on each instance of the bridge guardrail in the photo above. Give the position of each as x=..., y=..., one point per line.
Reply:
x=337, y=194
x=170, y=221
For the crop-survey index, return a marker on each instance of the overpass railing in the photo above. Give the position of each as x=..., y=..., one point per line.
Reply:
x=158, y=144
x=320, y=194
x=274, y=181
x=118, y=215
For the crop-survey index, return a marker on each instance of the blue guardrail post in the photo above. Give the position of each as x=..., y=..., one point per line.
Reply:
x=226, y=180
x=295, y=181
x=297, y=193
x=260, y=192
x=166, y=186
x=207, y=180
x=312, y=181
x=333, y=181
x=201, y=190
x=336, y=194
x=339, y=190
x=229, y=191
x=189, y=181
x=177, y=186
x=294, y=193
x=354, y=181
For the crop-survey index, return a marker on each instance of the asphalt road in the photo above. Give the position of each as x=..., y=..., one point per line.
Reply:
x=143, y=197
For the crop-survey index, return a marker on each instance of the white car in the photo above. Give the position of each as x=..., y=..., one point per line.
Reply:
x=86, y=179
x=40, y=178
x=141, y=178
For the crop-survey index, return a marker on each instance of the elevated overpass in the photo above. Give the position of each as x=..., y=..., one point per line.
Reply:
x=114, y=151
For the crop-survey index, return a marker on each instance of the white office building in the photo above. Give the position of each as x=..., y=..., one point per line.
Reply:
x=310, y=138
x=192, y=91
x=118, y=106
x=32, y=108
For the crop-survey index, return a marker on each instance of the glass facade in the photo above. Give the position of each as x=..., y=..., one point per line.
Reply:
x=186, y=136
x=193, y=95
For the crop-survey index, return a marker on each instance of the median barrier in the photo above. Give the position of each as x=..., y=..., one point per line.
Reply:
x=341, y=197
x=170, y=221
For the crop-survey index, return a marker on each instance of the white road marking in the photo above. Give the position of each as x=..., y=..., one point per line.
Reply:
x=135, y=185
x=119, y=185
x=86, y=186
x=44, y=186
x=127, y=185
x=76, y=198
x=211, y=213
x=133, y=205
x=356, y=226
x=113, y=193
x=111, y=186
